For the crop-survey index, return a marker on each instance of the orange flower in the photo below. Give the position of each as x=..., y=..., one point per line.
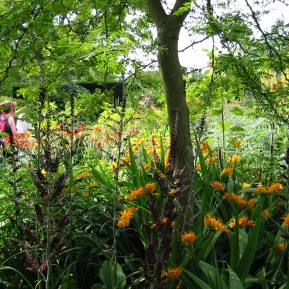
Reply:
x=228, y=171
x=205, y=147
x=198, y=167
x=134, y=195
x=261, y=189
x=274, y=188
x=126, y=159
x=226, y=196
x=251, y=203
x=243, y=221
x=84, y=175
x=281, y=246
x=93, y=184
x=189, y=237
x=164, y=221
x=150, y=151
x=238, y=200
x=171, y=274
x=211, y=160
x=125, y=217
x=232, y=223
x=234, y=158
x=150, y=186
x=265, y=214
x=237, y=143
x=245, y=185
x=172, y=192
x=142, y=140
x=134, y=149
x=218, y=186
x=215, y=224
x=278, y=206
x=147, y=166
x=286, y=220
x=24, y=134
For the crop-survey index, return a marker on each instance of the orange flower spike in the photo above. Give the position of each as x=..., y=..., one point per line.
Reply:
x=134, y=195
x=125, y=217
x=218, y=186
x=189, y=237
x=215, y=224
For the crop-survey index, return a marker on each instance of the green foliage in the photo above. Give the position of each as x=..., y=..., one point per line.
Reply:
x=112, y=276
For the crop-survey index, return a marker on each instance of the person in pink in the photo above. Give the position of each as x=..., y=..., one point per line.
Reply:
x=9, y=109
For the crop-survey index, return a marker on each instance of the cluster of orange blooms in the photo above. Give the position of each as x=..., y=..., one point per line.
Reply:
x=240, y=201
x=135, y=194
x=243, y=221
x=218, y=186
x=216, y=224
x=172, y=273
x=273, y=188
x=126, y=216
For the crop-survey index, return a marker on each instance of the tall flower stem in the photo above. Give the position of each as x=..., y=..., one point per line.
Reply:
x=116, y=173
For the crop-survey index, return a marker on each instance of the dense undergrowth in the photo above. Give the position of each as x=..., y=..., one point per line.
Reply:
x=95, y=206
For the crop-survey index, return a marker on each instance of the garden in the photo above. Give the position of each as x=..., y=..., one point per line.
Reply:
x=161, y=179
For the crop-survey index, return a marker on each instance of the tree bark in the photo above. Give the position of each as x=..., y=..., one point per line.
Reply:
x=168, y=30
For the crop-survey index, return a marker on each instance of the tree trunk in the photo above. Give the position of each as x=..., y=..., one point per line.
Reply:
x=168, y=30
